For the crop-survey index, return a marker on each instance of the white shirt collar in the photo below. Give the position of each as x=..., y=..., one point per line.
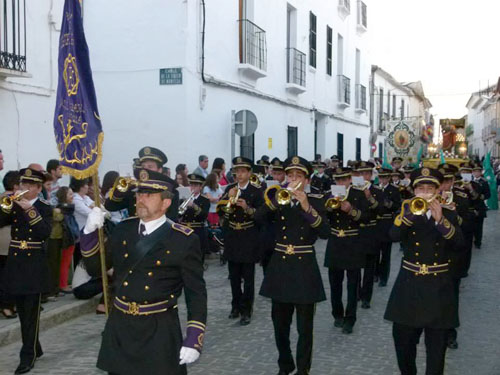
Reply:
x=32, y=202
x=244, y=187
x=152, y=225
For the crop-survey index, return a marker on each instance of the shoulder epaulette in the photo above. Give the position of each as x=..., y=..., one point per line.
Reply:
x=318, y=196
x=183, y=229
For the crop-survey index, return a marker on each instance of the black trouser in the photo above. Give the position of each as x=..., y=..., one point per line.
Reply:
x=242, y=299
x=366, y=288
x=336, y=277
x=54, y=251
x=385, y=261
x=406, y=339
x=28, y=309
x=468, y=236
x=88, y=290
x=452, y=332
x=478, y=230
x=282, y=314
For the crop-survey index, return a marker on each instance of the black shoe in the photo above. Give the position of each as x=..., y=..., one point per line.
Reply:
x=245, y=320
x=382, y=283
x=452, y=344
x=338, y=323
x=375, y=279
x=39, y=354
x=234, y=314
x=23, y=369
x=347, y=329
x=365, y=305
x=478, y=246
x=283, y=372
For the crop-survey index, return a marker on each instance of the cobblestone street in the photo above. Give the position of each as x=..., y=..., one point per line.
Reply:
x=71, y=348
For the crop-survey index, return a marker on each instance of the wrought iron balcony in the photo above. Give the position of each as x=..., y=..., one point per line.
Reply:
x=360, y=98
x=12, y=36
x=344, y=93
x=296, y=70
x=253, y=49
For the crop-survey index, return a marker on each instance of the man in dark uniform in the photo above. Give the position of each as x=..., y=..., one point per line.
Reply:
x=26, y=273
x=153, y=260
x=396, y=163
x=345, y=250
x=154, y=160
x=457, y=259
x=277, y=171
x=334, y=164
x=237, y=207
x=482, y=188
x=196, y=212
x=267, y=168
x=386, y=214
x=423, y=296
x=293, y=280
x=320, y=182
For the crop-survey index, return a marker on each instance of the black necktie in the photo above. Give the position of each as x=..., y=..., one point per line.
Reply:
x=142, y=230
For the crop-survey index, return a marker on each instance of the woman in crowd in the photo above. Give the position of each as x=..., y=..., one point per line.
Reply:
x=213, y=192
x=181, y=173
x=219, y=168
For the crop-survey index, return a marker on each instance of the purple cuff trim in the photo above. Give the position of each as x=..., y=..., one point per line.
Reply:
x=88, y=241
x=194, y=338
x=311, y=215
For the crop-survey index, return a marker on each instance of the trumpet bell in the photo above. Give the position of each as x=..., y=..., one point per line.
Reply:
x=418, y=206
x=283, y=197
x=333, y=203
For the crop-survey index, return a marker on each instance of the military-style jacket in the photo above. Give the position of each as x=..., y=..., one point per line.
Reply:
x=172, y=264
x=371, y=233
x=346, y=248
x=293, y=274
x=423, y=297
x=26, y=270
x=480, y=192
x=195, y=218
x=321, y=185
x=241, y=233
x=387, y=211
x=126, y=200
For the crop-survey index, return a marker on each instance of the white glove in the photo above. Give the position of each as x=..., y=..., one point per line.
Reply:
x=95, y=220
x=188, y=355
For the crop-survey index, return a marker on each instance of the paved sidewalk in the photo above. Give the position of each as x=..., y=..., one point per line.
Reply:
x=71, y=348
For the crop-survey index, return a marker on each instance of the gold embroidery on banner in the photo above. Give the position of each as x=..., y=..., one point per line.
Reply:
x=70, y=75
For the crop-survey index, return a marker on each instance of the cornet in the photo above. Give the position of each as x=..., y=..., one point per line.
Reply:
x=333, y=203
x=284, y=196
x=8, y=202
x=124, y=183
x=183, y=207
x=254, y=179
x=229, y=207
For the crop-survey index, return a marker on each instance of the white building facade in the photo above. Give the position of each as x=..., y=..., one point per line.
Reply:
x=483, y=128
x=171, y=74
x=392, y=100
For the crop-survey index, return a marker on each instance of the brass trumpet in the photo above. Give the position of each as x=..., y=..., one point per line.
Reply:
x=124, y=183
x=284, y=196
x=255, y=180
x=334, y=202
x=183, y=207
x=229, y=207
x=8, y=202
x=419, y=206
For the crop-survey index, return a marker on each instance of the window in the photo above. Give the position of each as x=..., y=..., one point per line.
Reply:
x=247, y=147
x=340, y=146
x=402, y=109
x=388, y=103
x=393, y=107
x=381, y=109
x=292, y=141
x=381, y=150
x=312, y=39
x=315, y=137
x=329, y=50
x=340, y=54
x=13, y=35
x=358, y=149
x=362, y=14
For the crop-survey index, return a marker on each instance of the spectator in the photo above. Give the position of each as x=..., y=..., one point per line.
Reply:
x=83, y=204
x=202, y=168
x=54, y=248
x=213, y=192
x=181, y=172
x=47, y=186
x=55, y=170
x=219, y=167
x=107, y=183
x=85, y=286
x=70, y=235
x=11, y=185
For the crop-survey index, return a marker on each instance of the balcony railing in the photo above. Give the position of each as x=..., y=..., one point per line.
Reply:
x=344, y=90
x=253, y=48
x=13, y=35
x=360, y=97
x=296, y=67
